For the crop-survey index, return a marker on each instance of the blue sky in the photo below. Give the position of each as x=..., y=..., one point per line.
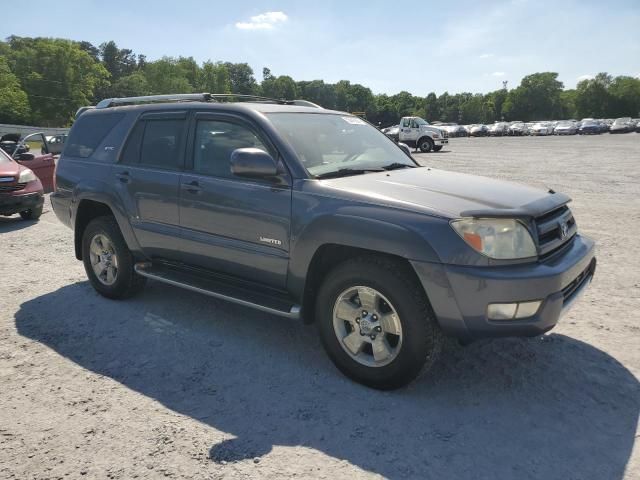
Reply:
x=419, y=46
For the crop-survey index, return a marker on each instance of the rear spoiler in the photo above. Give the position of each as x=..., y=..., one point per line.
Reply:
x=81, y=110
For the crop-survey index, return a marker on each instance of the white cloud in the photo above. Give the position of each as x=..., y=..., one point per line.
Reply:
x=264, y=21
x=486, y=55
x=498, y=74
x=585, y=77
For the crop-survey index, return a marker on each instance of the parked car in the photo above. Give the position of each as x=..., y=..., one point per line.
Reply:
x=589, y=127
x=20, y=189
x=637, y=120
x=315, y=214
x=565, y=128
x=392, y=132
x=458, y=131
x=499, y=129
x=622, y=125
x=478, y=130
x=541, y=129
x=55, y=143
x=41, y=163
x=518, y=129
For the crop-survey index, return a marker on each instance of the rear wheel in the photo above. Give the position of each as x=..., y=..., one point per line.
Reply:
x=376, y=323
x=31, y=214
x=108, y=261
x=425, y=144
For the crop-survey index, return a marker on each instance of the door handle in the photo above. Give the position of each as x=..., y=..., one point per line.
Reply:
x=192, y=187
x=123, y=177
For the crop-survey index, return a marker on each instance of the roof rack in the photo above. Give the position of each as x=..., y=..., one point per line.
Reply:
x=199, y=97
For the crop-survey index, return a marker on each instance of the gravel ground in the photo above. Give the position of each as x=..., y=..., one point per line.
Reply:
x=178, y=385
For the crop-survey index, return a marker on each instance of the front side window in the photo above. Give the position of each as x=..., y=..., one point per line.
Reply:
x=215, y=141
x=161, y=144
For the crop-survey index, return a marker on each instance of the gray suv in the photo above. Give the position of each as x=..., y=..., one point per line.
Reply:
x=314, y=214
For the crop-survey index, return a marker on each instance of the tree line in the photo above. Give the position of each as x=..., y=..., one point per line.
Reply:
x=43, y=81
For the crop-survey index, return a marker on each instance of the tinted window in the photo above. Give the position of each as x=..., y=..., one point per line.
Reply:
x=131, y=152
x=214, y=143
x=161, y=143
x=88, y=132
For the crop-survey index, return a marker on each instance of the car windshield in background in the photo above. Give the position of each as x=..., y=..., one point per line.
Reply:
x=341, y=144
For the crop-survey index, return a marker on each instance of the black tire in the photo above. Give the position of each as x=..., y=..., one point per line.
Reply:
x=437, y=148
x=127, y=282
x=422, y=337
x=32, y=213
x=425, y=144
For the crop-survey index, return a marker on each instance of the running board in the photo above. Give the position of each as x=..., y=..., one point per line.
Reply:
x=216, y=287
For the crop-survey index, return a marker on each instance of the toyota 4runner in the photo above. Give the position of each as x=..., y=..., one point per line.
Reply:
x=310, y=213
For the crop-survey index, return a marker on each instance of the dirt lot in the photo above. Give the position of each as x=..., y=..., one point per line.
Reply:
x=174, y=384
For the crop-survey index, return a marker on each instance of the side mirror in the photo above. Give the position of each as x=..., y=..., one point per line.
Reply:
x=26, y=156
x=253, y=163
x=405, y=148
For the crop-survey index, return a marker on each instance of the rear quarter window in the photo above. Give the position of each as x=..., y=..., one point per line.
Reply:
x=88, y=132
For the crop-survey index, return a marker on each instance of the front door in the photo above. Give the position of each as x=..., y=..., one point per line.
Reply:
x=41, y=162
x=233, y=225
x=147, y=179
x=409, y=131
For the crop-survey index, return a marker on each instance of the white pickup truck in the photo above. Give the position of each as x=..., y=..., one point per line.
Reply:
x=417, y=133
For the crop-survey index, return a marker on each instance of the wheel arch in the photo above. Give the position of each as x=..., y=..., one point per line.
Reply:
x=327, y=257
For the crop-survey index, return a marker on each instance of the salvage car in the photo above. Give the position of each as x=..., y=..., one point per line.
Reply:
x=565, y=128
x=42, y=163
x=541, y=129
x=499, y=129
x=622, y=125
x=315, y=215
x=20, y=189
x=590, y=127
x=478, y=130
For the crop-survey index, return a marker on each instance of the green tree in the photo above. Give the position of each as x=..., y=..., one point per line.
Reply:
x=279, y=87
x=625, y=96
x=214, y=78
x=14, y=103
x=167, y=75
x=57, y=75
x=537, y=97
x=241, y=79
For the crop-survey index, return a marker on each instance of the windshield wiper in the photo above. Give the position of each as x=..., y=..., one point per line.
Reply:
x=345, y=172
x=397, y=165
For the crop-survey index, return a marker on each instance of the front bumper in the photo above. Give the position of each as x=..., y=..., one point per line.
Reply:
x=460, y=295
x=10, y=204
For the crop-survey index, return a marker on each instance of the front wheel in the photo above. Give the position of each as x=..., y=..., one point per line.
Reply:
x=425, y=144
x=31, y=214
x=437, y=148
x=376, y=323
x=108, y=261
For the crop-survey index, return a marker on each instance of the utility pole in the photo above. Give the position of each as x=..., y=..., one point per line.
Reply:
x=504, y=84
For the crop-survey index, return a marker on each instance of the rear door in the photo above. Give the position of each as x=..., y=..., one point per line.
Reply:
x=231, y=224
x=42, y=163
x=147, y=178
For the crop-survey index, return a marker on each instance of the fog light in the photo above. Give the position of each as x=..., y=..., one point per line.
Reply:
x=512, y=311
x=502, y=311
x=527, y=309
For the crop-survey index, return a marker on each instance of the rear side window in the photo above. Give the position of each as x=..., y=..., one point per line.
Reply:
x=88, y=133
x=131, y=152
x=162, y=143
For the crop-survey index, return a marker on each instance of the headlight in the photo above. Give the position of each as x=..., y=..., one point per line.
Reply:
x=499, y=238
x=27, y=176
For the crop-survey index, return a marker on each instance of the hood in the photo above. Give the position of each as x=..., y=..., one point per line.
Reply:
x=446, y=194
x=9, y=168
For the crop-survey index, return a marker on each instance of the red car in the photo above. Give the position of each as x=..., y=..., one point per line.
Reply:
x=42, y=163
x=20, y=189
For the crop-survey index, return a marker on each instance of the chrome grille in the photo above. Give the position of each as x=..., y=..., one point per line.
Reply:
x=12, y=188
x=549, y=226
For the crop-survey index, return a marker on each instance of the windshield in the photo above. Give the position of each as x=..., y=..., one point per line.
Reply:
x=4, y=158
x=621, y=121
x=327, y=143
